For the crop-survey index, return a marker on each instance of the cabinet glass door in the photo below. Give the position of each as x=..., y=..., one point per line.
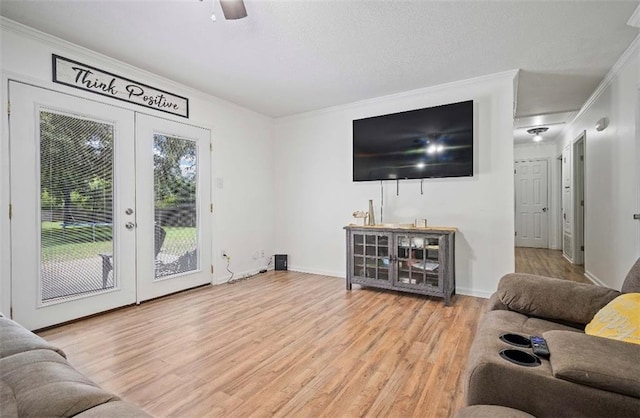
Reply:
x=371, y=256
x=418, y=261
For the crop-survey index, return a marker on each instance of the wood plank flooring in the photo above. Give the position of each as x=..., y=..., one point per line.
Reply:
x=548, y=263
x=281, y=344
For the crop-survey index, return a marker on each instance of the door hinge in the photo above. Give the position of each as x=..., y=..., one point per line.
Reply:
x=10, y=211
x=11, y=312
x=516, y=233
x=582, y=158
x=211, y=208
x=210, y=146
x=212, y=269
x=9, y=108
x=582, y=203
x=582, y=248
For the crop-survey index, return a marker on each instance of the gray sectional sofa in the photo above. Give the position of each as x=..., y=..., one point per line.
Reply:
x=585, y=375
x=37, y=381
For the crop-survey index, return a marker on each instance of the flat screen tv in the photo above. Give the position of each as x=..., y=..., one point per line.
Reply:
x=423, y=143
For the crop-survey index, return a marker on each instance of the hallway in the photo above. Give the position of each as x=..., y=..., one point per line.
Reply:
x=548, y=263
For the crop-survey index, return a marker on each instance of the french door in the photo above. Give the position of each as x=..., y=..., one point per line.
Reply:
x=108, y=206
x=172, y=199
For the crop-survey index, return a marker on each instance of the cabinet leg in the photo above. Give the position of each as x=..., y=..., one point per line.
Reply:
x=348, y=284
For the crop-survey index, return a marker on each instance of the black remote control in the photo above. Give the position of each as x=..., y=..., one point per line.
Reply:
x=539, y=346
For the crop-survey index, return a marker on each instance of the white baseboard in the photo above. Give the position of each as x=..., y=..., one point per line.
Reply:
x=473, y=292
x=593, y=278
x=237, y=276
x=300, y=269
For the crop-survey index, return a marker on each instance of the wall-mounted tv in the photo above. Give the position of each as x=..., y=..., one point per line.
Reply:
x=423, y=143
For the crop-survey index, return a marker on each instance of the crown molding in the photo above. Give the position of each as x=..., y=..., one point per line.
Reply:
x=96, y=57
x=509, y=75
x=634, y=20
x=606, y=81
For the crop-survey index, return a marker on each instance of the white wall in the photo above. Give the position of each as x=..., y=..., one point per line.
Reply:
x=316, y=195
x=549, y=152
x=242, y=157
x=611, y=177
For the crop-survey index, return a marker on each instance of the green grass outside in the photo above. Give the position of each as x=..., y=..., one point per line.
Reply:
x=74, y=243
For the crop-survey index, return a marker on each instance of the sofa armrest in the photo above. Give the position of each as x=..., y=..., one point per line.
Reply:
x=495, y=304
x=554, y=299
x=602, y=363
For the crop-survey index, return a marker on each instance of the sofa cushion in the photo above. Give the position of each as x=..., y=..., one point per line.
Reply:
x=594, y=361
x=618, y=320
x=554, y=299
x=16, y=339
x=8, y=403
x=120, y=409
x=491, y=411
x=45, y=384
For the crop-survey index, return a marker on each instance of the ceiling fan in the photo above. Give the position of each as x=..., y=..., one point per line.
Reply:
x=232, y=9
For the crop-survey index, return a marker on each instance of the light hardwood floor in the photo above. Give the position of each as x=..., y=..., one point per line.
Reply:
x=548, y=263
x=281, y=344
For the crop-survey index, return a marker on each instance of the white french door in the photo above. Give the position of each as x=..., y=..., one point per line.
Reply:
x=108, y=206
x=531, y=204
x=173, y=195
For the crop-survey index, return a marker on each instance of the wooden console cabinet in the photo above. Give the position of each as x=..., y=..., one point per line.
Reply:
x=402, y=258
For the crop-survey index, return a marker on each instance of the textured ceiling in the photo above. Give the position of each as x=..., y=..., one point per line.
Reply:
x=289, y=57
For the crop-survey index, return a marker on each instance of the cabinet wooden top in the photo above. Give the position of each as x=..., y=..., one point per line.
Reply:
x=402, y=227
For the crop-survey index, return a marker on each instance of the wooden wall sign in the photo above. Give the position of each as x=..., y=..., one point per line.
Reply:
x=84, y=77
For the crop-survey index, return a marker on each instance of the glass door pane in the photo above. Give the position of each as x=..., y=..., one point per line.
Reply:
x=174, y=206
x=175, y=163
x=418, y=261
x=76, y=206
x=371, y=256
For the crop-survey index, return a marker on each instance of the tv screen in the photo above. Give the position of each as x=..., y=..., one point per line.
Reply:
x=422, y=143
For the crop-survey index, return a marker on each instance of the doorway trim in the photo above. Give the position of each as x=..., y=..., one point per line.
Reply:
x=578, y=149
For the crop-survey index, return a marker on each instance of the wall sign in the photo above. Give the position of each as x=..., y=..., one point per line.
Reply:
x=84, y=77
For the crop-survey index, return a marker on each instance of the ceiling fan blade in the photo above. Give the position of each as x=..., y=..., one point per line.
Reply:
x=233, y=9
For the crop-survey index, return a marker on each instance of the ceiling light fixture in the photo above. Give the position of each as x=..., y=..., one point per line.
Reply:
x=537, y=133
x=231, y=9
x=602, y=124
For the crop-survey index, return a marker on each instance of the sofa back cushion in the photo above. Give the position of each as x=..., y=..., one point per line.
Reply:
x=631, y=283
x=553, y=299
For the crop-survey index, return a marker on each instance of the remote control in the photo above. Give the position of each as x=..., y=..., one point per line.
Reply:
x=539, y=346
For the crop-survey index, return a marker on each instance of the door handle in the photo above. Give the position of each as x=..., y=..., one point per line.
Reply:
x=130, y=225
x=544, y=209
x=636, y=216
x=129, y=211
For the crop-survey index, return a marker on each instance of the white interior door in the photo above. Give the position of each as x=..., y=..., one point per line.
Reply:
x=73, y=243
x=531, y=204
x=173, y=203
